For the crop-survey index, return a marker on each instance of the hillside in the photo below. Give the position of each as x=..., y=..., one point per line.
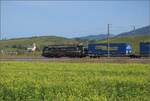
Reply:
x=23, y=43
x=95, y=37
x=134, y=40
x=137, y=32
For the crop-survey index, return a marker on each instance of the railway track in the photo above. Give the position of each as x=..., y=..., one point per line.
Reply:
x=83, y=60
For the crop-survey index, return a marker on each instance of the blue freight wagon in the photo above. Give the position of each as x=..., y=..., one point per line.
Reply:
x=145, y=49
x=115, y=49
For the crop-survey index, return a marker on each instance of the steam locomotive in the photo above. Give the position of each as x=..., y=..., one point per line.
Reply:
x=95, y=50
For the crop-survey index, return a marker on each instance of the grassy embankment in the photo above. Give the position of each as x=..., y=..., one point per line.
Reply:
x=44, y=81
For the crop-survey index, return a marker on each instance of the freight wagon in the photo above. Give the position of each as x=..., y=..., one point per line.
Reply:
x=145, y=49
x=113, y=49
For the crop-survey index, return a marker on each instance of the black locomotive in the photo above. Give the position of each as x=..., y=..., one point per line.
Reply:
x=64, y=51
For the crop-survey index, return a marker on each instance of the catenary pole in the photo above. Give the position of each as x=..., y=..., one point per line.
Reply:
x=108, y=52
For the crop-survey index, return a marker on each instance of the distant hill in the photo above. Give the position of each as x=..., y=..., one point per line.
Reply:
x=41, y=41
x=138, y=32
x=134, y=40
x=95, y=37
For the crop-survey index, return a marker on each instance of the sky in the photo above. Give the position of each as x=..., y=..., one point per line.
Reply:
x=71, y=18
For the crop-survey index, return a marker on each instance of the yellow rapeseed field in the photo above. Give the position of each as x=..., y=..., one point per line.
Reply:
x=55, y=81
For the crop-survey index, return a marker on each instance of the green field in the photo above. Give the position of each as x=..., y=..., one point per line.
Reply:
x=55, y=81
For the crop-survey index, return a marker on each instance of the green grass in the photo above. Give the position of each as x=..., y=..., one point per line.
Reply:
x=22, y=55
x=134, y=40
x=44, y=81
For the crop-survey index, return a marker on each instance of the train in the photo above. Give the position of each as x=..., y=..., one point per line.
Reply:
x=97, y=50
x=64, y=51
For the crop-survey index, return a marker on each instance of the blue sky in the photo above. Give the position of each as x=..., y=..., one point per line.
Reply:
x=71, y=18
